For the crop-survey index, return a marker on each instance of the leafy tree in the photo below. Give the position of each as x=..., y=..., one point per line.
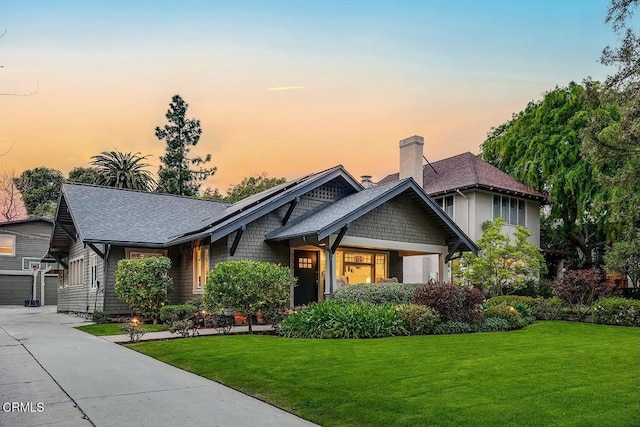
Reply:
x=83, y=175
x=40, y=188
x=624, y=258
x=541, y=146
x=249, y=186
x=144, y=284
x=611, y=139
x=122, y=170
x=175, y=175
x=248, y=286
x=502, y=266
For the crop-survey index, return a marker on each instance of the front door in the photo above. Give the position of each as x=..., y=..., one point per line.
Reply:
x=306, y=270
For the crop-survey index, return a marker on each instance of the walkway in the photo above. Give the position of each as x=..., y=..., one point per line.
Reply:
x=111, y=385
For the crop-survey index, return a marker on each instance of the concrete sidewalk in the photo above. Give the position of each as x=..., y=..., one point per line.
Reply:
x=115, y=386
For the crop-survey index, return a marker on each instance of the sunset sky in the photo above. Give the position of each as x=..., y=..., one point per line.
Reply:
x=284, y=87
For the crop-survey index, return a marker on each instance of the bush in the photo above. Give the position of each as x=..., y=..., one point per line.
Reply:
x=248, y=287
x=451, y=302
x=99, y=317
x=144, y=284
x=536, y=288
x=418, y=319
x=334, y=319
x=506, y=312
x=452, y=327
x=528, y=307
x=617, y=311
x=173, y=313
x=495, y=324
x=377, y=293
x=182, y=327
x=134, y=330
x=550, y=308
x=581, y=288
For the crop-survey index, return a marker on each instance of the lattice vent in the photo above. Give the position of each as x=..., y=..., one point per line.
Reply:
x=330, y=192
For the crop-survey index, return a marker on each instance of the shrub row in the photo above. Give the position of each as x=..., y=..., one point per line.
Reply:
x=617, y=311
x=378, y=293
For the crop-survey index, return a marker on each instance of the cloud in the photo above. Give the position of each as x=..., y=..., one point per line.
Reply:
x=275, y=88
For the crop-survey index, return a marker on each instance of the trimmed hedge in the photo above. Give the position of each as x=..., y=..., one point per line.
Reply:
x=617, y=311
x=506, y=312
x=451, y=302
x=377, y=293
x=495, y=324
x=174, y=313
x=550, y=308
x=335, y=319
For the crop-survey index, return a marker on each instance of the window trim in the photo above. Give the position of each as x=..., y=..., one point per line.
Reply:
x=93, y=271
x=13, y=246
x=81, y=275
x=442, y=203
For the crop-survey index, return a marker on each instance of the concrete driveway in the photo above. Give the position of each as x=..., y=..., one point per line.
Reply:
x=47, y=364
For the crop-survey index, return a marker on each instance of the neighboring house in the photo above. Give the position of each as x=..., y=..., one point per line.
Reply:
x=23, y=243
x=471, y=191
x=325, y=226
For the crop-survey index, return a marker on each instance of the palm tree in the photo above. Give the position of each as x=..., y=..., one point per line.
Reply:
x=123, y=170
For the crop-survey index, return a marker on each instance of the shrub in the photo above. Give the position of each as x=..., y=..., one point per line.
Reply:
x=248, y=286
x=334, y=319
x=495, y=324
x=617, y=311
x=451, y=302
x=528, y=307
x=418, y=319
x=377, y=293
x=452, y=327
x=581, y=288
x=99, y=317
x=536, y=288
x=550, y=308
x=144, y=284
x=173, y=313
x=182, y=327
x=506, y=312
x=134, y=330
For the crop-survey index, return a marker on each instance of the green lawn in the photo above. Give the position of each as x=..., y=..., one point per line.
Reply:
x=550, y=373
x=100, y=330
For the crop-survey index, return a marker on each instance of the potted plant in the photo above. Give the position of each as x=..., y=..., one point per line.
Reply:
x=240, y=318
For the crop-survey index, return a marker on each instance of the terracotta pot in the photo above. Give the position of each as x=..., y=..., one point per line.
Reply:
x=240, y=318
x=260, y=318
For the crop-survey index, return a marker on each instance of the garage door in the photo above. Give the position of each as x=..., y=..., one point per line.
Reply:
x=14, y=290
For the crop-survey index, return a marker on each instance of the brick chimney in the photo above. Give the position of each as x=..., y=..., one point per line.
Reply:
x=411, y=150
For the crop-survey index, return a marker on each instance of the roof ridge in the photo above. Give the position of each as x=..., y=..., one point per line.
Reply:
x=474, y=164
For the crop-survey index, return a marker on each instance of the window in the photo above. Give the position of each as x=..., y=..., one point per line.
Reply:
x=446, y=204
x=7, y=245
x=361, y=266
x=305, y=263
x=509, y=208
x=200, y=267
x=93, y=270
x=76, y=272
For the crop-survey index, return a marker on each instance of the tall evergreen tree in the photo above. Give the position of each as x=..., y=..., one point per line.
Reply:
x=40, y=188
x=175, y=175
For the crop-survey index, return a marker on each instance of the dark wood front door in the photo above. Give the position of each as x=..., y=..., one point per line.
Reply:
x=306, y=270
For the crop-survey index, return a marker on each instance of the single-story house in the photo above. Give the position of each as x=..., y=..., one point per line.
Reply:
x=23, y=243
x=325, y=226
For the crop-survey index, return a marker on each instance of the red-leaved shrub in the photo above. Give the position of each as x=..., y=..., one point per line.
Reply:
x=581, y=288
x=451, y=302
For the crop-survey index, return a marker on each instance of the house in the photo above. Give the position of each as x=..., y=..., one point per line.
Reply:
x=23, y=243
x=470, y=191
x=327, y=227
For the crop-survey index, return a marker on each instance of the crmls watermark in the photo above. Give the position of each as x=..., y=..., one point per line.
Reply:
x=28, y=407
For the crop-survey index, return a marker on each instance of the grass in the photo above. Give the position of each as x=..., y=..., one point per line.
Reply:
x=103, y=329
x=550, y=373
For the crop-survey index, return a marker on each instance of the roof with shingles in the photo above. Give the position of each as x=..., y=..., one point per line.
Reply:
x=330, y=218
x=107, y=214
x=466, y=171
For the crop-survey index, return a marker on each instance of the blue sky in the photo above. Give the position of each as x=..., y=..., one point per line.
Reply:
x=359, y=76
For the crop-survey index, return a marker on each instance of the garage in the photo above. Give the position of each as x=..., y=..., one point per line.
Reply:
x=15, y=289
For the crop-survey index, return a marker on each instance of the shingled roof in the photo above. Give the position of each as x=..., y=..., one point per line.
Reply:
x=466, y=171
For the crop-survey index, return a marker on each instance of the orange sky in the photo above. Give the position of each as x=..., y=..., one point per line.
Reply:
x=355, y=88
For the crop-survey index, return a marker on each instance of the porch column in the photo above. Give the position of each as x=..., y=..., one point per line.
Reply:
x=441, y=277
x=330, y=273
